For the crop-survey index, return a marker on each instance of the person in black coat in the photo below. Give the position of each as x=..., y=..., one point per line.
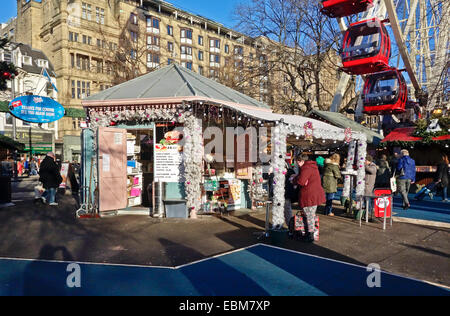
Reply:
x=290, y=194
x=50, y=178
x=442, y=176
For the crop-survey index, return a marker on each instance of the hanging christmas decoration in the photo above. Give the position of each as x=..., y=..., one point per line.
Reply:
x=309, y=131
x=348, y=135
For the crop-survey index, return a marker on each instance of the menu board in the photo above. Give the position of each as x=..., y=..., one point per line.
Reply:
x=168, y=155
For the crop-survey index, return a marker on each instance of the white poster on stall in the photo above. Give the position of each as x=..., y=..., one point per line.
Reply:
x=167, y=155
x=106, y=163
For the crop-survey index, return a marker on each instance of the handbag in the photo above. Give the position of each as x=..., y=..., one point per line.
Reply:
x=393, y=183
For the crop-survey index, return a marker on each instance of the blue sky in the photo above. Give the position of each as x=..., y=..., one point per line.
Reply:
x=220, y=11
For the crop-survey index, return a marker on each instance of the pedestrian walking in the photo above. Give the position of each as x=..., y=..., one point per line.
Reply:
x=33, y=167
x=74, y=185
x=383, y=173
x=331, y=175
x=441, y=178
x=406, y=169
x=311, y=191
x=394, y=163
x=290, y=194
x=50, y=178
x=20, y=168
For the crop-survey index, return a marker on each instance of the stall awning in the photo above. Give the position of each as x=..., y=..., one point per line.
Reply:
x=7, y=142
x=406, y=134
x=75, y=113
x=340, y=120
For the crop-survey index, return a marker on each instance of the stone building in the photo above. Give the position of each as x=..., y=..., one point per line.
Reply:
x=95, y=44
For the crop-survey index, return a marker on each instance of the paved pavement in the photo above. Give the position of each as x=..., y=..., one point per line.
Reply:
x=32, y=231
x=259, y=270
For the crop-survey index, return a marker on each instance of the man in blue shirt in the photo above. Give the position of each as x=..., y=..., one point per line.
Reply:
x=406, y=168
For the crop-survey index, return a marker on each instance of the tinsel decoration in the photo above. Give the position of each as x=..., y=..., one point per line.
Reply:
x=349, y=167
x=192, y=160
x=360, y=178
x=104, y=117
x=279, y=138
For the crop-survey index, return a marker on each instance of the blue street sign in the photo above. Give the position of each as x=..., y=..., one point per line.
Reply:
x=36, y=109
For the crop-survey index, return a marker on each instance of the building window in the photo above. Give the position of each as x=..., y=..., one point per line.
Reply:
x=133, y=36
x=72, y=60
x=186, y=33
x=27, y=60
x=86, y=11
x=78, y=89
x=214, y=43
x=155, y=23
x=200, y=70
x=214, y=58
x=42, y=63
x=187, y=65
x=153, y=60
x=9, y=119
x=227, y=49
x=152, y=25
x=186, y=50
x=170, y=47
x=133, y=54
x=200, y=40
x=100, y=15
x=75, y=123
x=134, y=19
x=239, y=50
x=73, y=89
x=152, y=41
x=200, y=55
x=170, y=30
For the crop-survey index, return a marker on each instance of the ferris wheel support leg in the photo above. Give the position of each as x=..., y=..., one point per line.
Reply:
x=401, y=43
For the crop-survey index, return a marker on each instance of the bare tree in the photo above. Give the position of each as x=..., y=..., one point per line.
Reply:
x=302, y=49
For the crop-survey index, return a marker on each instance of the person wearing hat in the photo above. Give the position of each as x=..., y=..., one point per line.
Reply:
x=50, y=178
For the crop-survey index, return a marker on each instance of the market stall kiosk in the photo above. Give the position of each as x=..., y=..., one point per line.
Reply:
x=187, y=106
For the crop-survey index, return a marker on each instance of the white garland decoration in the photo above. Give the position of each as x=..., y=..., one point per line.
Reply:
x=281, y=132
x=349, y=167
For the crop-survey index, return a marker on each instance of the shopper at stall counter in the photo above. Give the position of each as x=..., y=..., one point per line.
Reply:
x=50, y=178
x=311, y=191
x=406, y=168
x=331, y=175
x=371, y=175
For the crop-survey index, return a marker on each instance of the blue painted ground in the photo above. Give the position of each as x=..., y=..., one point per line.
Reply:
x=427, y=209
x=256, y=271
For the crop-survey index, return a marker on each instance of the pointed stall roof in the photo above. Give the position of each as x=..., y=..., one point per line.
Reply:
x=172, y=81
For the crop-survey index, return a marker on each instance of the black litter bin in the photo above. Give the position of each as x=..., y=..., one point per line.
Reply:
x=5, y=189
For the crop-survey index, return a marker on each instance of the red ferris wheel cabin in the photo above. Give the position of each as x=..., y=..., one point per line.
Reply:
x=341, y=8
x=385, y=92
x=366, y=48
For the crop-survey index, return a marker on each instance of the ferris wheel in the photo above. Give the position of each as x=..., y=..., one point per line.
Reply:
x=390, y=39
